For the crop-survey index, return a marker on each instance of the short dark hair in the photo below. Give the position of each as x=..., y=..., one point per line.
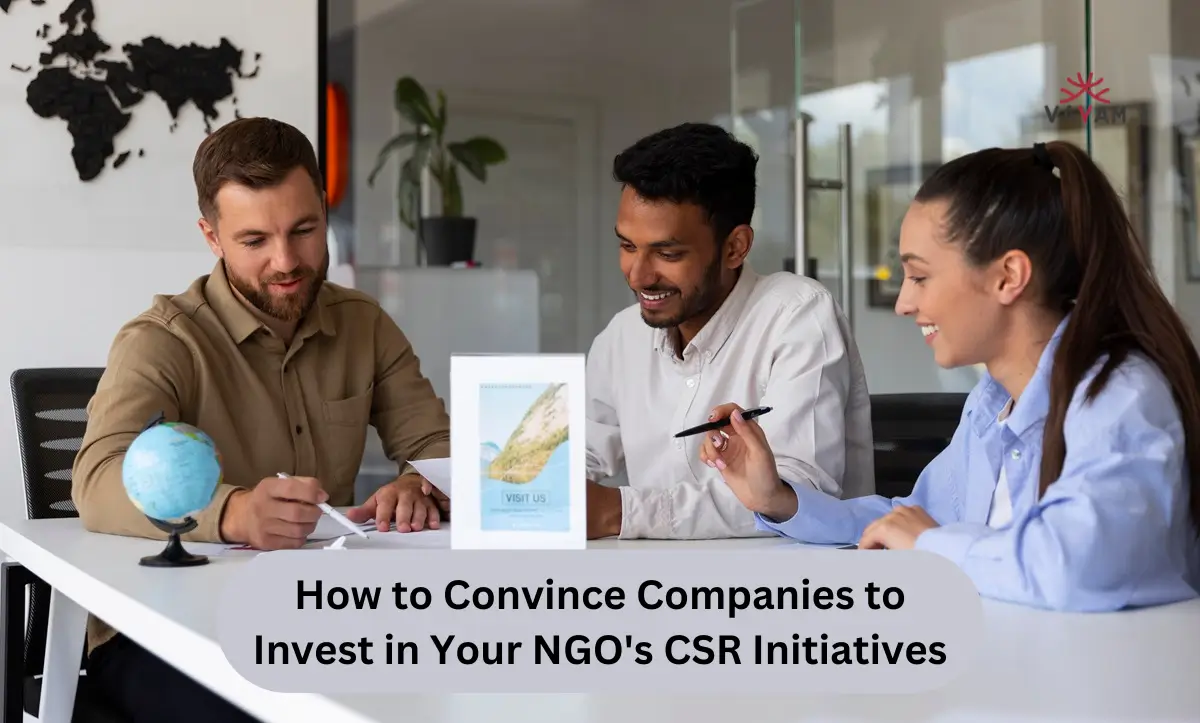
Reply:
x=252, y=152
x=696, y=163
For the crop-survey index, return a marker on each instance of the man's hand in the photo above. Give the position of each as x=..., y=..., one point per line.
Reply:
x=741, y=453
x=278, y=514
x=442, y=502
x=603, y=511
x=897, y=530
x=408, y=499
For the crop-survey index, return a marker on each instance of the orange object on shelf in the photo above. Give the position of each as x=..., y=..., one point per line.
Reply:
x=337, y=143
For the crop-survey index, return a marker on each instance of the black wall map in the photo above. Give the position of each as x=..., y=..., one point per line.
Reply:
x=78, y=80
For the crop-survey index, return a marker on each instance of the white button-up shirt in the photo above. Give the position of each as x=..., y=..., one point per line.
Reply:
x=779, y=341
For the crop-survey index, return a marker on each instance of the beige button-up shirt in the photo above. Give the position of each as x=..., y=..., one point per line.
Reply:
x=779, y=341
x=201, y=357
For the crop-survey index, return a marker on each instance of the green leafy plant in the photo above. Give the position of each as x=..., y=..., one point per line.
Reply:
x=430, y=148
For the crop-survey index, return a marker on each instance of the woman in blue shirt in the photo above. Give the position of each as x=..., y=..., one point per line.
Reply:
x=1072, y=480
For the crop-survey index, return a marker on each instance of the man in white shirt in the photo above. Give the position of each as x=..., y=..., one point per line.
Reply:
x=706, y=329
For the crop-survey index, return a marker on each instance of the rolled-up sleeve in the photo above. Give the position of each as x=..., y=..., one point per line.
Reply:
x=149, y=371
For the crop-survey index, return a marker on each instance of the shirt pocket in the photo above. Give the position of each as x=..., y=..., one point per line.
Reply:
x=351, y=412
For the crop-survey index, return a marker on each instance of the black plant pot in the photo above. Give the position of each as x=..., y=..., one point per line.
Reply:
x=448, y=239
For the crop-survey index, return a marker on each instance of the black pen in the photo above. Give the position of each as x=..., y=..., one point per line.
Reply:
x=709, y=426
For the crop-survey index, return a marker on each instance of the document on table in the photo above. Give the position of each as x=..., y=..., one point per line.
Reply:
x=328, y=532
x=425, y=539
x=329, y=528
x=437, y=471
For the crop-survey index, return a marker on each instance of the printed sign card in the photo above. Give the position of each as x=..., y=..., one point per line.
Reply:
x=518, y=453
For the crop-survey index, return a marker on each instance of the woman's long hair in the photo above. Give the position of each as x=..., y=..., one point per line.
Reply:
x=1053, y=203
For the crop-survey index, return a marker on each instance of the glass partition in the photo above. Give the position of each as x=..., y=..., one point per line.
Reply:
x=874, y=95
x=850, y=103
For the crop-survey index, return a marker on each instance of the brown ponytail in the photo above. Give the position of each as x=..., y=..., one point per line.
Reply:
x=1057, y=206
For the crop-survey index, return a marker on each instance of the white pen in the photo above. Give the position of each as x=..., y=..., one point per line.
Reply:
x=342, y=520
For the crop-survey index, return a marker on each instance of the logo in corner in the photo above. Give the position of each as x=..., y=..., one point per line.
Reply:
x=1084, y=91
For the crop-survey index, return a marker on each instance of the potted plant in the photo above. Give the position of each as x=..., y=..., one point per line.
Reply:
x=450, y=237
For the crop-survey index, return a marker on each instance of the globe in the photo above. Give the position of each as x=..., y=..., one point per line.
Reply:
x=171, y=471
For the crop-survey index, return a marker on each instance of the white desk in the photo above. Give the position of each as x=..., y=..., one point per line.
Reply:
x=1134, y=666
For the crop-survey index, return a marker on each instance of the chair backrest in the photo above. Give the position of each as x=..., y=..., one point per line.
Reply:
x=51, y=417
x=910, y=430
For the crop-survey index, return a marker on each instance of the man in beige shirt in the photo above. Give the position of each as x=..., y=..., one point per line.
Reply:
x=707, y=330
x=281, y=368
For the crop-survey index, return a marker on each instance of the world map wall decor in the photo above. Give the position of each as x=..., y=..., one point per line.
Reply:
x=81, y=79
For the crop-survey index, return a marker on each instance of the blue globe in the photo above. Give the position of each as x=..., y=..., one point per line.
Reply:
x=171, y=471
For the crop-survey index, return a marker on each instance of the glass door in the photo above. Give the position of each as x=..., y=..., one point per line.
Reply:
x=764, y=107
x=856, y=106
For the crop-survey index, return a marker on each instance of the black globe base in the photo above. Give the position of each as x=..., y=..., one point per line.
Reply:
x=174, y=554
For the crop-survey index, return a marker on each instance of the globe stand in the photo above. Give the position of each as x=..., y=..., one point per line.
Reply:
x=173, y=555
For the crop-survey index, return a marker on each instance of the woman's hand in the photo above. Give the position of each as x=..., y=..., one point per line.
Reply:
x=897, y=530
x=741, y=454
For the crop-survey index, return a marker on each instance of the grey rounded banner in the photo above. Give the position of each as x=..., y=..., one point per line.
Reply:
x=600, y=621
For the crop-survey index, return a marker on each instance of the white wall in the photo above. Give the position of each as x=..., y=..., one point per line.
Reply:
x=149, y=203
x=77, y=260
x=63, y=307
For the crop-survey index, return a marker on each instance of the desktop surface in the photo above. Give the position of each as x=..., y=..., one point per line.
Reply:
x=1036, y=665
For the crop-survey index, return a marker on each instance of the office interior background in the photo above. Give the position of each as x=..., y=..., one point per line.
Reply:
x=884, y=89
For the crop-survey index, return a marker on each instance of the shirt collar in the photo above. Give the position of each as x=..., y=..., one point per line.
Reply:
x=319, y=318
x=716, y=332
x=1035, y=400
x=241, y=323
x=234, y=315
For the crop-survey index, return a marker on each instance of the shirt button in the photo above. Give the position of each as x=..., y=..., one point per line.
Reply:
x=691, y=382
x=1016, y=454
x=679, y=445
x=298, y=429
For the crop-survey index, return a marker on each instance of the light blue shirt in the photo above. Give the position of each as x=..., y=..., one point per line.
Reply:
x=1114, y=530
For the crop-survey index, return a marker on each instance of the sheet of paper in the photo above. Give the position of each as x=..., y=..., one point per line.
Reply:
x=330, y=529
x=212, y=549
x=437, y=471
x=425, y=539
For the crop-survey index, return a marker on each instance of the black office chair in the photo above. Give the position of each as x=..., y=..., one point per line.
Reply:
x=910, y=430
x=51, y=416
